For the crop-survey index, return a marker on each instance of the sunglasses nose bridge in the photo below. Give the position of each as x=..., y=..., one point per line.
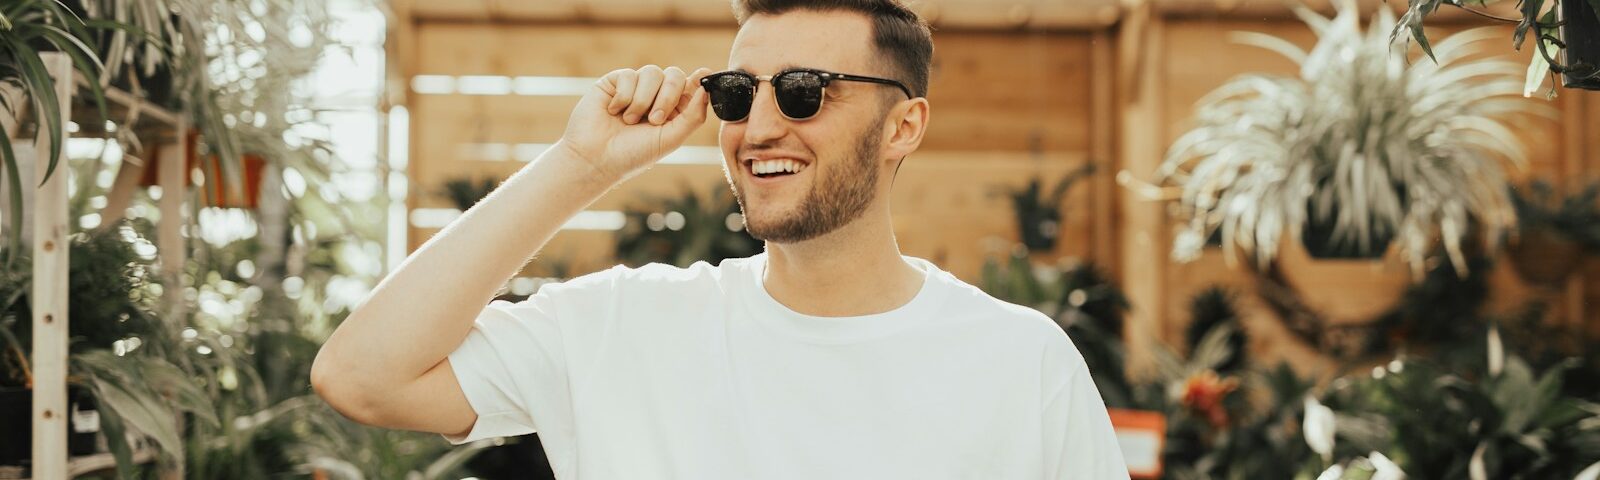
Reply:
x=765, y=122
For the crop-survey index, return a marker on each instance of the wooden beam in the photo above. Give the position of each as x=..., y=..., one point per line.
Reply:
x=172, y=176
x=1142, y=237
x=1102, y=150
x=1573, y=151
x=1279, y=10
x=49, y=299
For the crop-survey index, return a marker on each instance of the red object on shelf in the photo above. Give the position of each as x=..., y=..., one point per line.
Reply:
x=1142, y=435
x=216, y=193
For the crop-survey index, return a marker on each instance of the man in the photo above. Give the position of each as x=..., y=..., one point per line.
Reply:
x=829, y=356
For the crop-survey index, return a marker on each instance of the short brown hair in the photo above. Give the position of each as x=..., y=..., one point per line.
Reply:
x=898, y=32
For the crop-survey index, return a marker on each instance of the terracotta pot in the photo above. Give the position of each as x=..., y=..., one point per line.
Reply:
x=1345, y=291
x=216, y=193
x=1544, y=257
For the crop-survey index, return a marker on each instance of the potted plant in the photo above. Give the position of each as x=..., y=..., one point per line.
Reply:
x=1566, y=37
x=464, y=192
x=1360, y=156
x=127, y=391
x=1553, y=232
x=685, y=229
x=1039, y=213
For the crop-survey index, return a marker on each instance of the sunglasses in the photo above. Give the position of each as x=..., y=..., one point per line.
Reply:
x=798, y=91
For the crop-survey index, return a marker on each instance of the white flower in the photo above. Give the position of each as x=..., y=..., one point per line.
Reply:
x=1497, y=352
x=1591, y=473
x=1475, y=468
x=1319, y=428
x=1386, y=470
x=1332, y=473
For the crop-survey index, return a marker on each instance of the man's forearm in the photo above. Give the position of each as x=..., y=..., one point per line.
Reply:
x=425, y=308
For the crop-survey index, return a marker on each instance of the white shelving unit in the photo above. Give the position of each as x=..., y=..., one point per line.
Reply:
x=51, y=227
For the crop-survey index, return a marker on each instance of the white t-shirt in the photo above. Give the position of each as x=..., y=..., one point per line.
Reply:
x=698, y=373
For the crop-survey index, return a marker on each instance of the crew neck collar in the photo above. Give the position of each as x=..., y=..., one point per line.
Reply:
x=836, y=330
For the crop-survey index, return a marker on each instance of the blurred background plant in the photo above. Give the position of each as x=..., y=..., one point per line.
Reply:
x=1355, y=152
x=684, y=229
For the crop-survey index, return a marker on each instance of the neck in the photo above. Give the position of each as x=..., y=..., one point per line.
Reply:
x=853, y=271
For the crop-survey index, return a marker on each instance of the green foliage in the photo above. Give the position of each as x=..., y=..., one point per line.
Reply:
x=1212, y=308
x=466, y=192
x=1359, y=149
x=1547, y=46
x=685, y=229
x=1039, y=213
x=1575, y=217
x=1441, y=421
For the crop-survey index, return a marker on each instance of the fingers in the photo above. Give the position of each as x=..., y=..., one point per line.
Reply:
x=666, y=99
x=622, y=84
x=644, y=94
x=652, y=94
x=693, y=88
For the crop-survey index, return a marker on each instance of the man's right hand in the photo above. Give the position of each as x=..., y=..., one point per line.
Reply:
x=633, y=118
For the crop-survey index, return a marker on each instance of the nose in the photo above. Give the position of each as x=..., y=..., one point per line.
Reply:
x=765, y=122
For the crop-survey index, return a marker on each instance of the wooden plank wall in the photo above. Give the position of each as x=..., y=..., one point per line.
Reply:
x=997, y=121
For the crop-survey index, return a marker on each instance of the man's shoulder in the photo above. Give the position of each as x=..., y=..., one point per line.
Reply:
x=969, y=301
x=656, y=275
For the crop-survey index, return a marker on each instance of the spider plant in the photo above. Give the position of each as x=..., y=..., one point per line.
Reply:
x=1358, y=150
x=28, y=28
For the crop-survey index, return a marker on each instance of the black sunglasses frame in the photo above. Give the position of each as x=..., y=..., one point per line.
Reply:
x=825, y=78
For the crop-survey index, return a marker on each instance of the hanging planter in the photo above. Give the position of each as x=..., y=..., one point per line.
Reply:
x=1581, y=33
x=1545, y=257
x=1349, y=156
x=216, y=193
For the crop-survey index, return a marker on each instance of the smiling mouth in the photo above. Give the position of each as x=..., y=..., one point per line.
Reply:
x=774, y=168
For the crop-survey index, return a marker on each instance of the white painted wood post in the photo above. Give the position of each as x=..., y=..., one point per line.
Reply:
x=49, y=297
x=173, y=176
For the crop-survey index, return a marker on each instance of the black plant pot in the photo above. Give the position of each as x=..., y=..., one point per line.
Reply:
x=1582, y=36
x=16, y=425
x=16, y=429
x=1039, y=229
x=1317, y=235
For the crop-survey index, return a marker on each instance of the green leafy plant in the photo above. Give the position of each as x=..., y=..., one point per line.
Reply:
x=685, y=229
x=1357, y=151
x=1575, y=217
x=1039, y=213
x=1572, y=26
x=27, y=28
x=465, y=192
x=1494, y=419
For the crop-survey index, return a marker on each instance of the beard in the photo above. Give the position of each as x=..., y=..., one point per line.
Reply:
x=835, y=199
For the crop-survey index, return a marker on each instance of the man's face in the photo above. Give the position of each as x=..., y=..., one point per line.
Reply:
x=838, y=148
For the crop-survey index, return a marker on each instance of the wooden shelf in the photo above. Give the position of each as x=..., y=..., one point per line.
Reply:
x=93, y=463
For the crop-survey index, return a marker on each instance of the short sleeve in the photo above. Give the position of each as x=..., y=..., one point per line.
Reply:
x=1078, y=439
x=515, y=364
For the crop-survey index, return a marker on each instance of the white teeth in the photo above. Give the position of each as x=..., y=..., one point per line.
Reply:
x=773, y=166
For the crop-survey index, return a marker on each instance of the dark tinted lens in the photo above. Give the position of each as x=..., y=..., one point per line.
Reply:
x=799, y=94
x=731, y=95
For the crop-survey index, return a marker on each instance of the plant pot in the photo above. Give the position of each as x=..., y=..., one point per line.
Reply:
x=1544, y=257
x=1345, y=291
x=1039, y=230
x=16, y=424
x=1582, y=36
x=217, y=192
x=1317, y=237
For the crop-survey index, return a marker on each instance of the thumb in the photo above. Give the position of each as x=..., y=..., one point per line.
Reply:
x=691, y=114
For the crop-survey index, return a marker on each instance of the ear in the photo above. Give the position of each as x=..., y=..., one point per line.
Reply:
x=906, y=123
